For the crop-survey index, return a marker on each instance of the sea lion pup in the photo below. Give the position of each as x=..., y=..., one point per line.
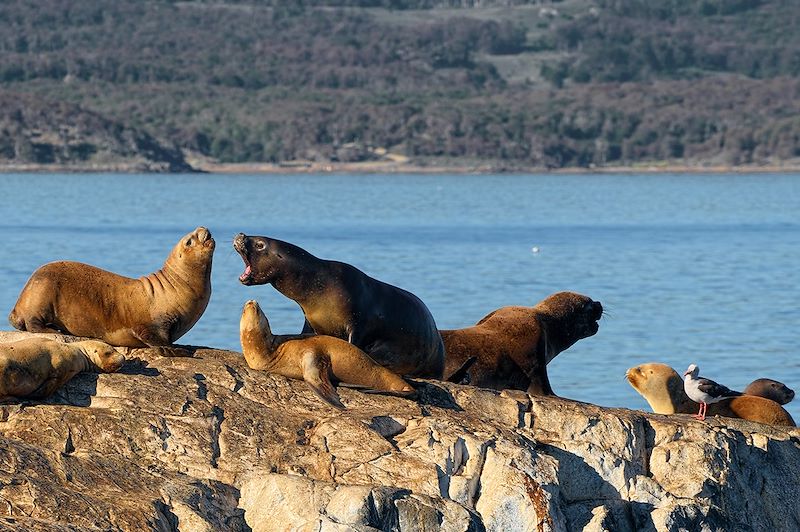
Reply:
x=662, y=388
x=774, y=390
x=155, y=310
x=314, y=359
x=36, y=367
x=391, y=325
x=513, y=345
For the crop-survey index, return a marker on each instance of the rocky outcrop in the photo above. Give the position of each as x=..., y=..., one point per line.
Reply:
x=205, y=443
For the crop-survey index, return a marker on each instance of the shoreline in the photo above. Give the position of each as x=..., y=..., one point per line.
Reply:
x=392, y=167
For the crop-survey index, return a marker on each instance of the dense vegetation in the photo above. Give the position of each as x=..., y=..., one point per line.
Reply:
x=516, y=84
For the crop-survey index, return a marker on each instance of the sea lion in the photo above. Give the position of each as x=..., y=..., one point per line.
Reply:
x=312, y=358
x=513, y=345
x=662, y=388
x=393, y=326
x=777, y=391
x=36, y=367
x=155, y=310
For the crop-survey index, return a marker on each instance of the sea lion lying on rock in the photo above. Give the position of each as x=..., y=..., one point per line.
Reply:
x=513, y=345
x=155, y=310
x=775, y=390
x=662, y=387
x=312, y=358
x=36, y=367
x=391, y=325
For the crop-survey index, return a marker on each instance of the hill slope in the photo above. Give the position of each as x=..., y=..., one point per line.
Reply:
x=513, y=84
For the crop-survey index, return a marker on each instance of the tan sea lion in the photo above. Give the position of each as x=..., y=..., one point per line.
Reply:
x=513, y=345
x=155, y=310
x=391, y=325
x=775, y=390
x=36, y=367
x=315, y=359
x=662, y=388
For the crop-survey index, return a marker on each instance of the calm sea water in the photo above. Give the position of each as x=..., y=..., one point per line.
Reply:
x=690, y=268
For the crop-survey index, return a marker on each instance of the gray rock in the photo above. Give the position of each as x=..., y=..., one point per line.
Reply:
x=207, y=444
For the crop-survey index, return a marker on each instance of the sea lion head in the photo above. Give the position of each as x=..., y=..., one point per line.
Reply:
x=770, y=389
x=254, y=319
x=266, y=259
x=254, y=334
x=195, y=249
x=570, y=316
x=659, y=384
x=103, y=356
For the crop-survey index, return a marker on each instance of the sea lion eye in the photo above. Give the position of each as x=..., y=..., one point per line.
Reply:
x=260, y=246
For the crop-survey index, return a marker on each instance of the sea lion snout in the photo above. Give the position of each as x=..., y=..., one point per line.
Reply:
x=596, y=310
x=203, y=236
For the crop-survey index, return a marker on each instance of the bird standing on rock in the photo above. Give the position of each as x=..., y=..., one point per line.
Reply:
x=704, y=391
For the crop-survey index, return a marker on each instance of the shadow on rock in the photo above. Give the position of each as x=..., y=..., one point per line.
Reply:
x=430, y=394
x=605, y=509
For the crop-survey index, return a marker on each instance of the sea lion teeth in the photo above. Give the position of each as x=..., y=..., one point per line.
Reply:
x=392, y=325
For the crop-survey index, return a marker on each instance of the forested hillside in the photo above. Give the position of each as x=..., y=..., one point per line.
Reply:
x=511, y=84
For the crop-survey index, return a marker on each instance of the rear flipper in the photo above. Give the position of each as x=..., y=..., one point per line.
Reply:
x=317, y=374
x=461, y=375
x=34, y=324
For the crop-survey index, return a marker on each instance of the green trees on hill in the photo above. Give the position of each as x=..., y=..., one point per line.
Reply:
x=551, y=84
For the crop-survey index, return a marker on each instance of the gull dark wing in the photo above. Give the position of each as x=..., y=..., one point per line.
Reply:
x=714, y=389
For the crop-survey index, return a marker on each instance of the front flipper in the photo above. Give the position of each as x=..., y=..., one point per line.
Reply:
x=317, y=374
x=158, y=338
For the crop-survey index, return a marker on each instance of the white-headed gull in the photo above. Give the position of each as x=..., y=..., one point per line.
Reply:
x=704, y=391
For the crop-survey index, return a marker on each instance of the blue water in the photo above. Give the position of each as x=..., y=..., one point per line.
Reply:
x=690, y=268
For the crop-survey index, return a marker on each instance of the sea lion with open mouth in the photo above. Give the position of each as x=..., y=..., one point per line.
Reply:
x=391, y=325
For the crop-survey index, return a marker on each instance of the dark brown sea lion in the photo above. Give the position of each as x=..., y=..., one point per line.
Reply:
x=662, y=388
x=155, y=310
x=774, y=390
x=513, y=345
x=315, y=359
x=36, y=367
x=393, y=326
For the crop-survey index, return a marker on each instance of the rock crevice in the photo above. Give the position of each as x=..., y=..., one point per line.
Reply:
x=205, y=443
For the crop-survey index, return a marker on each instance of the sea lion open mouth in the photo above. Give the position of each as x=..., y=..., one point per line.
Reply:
x=240, y=246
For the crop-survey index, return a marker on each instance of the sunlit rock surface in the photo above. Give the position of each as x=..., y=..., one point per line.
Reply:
x=206, y=444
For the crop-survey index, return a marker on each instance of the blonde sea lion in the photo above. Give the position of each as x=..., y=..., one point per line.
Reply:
x=662, y=388
x=314, y=359
x=513, y=345
x=391, y=325
x=774, y=390
x=36, y=367
x=154, y=310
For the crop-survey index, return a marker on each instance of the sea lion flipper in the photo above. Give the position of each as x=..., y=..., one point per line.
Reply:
x=461, y=375
x=316, y=373
x=156, y=337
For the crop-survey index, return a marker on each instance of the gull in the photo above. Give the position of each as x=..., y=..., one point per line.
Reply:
x=704, y=391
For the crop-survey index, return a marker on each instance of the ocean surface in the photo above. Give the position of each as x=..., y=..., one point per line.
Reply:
x=690, y=268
